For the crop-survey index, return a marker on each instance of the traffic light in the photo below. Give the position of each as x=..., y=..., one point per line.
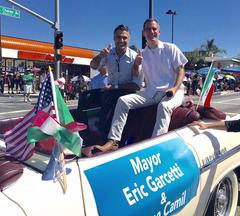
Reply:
x=58, y=43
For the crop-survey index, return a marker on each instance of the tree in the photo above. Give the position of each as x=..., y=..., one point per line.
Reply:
x=211, y=48
x=195, y=59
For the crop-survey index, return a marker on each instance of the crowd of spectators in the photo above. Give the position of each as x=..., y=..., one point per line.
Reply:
x=194, y=82
x=13, y=83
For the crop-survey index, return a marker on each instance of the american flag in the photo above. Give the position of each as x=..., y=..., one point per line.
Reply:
x=16, y=137
x=46, y=96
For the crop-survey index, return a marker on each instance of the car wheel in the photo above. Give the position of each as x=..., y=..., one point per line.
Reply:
x=225, y=197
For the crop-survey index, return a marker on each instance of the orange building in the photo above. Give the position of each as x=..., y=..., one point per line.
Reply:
x=19, y=54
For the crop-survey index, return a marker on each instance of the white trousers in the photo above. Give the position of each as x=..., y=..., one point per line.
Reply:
x=141, y=99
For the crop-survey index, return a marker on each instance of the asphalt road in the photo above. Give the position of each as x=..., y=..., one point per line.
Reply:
x=228, y=102
x=14, y=106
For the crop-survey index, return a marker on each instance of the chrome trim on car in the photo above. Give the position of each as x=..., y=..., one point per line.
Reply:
x=219, y=158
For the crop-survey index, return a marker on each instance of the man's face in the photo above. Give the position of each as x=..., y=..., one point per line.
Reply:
x=103, y=70
x=121, y=39
x=151, y=31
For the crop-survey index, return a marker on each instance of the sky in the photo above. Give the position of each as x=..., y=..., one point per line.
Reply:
x=90, y=23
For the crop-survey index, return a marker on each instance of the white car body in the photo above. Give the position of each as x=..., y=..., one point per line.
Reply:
x=214, y=154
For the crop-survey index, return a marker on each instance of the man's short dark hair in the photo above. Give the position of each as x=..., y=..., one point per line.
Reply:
x=122, y=28
x=149, y=20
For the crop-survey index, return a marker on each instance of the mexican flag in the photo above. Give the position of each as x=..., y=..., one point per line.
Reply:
x=65, y=131
x=207, y=89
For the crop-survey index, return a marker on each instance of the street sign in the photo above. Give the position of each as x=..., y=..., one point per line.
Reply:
x=9, y=12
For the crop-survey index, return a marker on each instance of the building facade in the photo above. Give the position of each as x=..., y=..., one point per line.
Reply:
x=19, y=54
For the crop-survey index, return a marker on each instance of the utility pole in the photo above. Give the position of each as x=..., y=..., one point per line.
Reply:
x=55, y=25
x=58, y=39
x=172, y=13
x=150, y=15
x=150, y=8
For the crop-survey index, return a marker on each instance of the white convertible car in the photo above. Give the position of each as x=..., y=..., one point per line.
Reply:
x=185, y=172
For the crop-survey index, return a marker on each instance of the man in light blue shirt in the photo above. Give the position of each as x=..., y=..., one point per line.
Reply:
x=100, y=80
x=119, y=61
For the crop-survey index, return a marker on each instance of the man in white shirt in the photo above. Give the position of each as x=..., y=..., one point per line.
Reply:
x=61, y=83
x=163, y=67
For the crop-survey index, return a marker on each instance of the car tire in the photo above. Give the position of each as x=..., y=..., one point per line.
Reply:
x=225, y=197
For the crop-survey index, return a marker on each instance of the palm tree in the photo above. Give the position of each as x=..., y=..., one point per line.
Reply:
x=211, y=48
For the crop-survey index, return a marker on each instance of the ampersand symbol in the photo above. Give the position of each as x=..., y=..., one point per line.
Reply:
x=163, y=196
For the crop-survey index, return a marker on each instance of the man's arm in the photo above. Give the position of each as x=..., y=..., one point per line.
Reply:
x=179, y=80
x=94, y=64
x=180, y=77
x=136, y=69
x=217, y=124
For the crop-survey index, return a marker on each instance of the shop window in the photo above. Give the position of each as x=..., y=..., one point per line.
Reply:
x=20, y=65
x=29, y=64
x=3, y=65
x=9, y=65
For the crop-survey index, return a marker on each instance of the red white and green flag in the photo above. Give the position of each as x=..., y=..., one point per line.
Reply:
x=208, y=88
x=63, y=128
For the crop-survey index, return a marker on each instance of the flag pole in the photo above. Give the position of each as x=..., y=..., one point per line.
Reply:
x=63, y=181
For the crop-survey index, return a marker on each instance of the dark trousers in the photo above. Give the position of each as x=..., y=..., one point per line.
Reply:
x=1, y=86
x=106, y=99
x=108, y=103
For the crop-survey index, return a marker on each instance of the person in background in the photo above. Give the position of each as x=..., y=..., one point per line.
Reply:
x=11, y=79
x=17, y=82
x=230, y=125
x=42, y=78
x=187, y=83
x=28, y=82
x=21, y=83
x=5, y=80
x=195, y=81
x=1, y=83
x=69, y=91
x=100, y=80
x=163, y=68
x=61, y=83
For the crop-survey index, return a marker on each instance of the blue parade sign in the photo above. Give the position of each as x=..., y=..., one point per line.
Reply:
x=158, y=180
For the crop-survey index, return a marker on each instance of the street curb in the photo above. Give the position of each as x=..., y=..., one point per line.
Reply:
x=18, y=95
